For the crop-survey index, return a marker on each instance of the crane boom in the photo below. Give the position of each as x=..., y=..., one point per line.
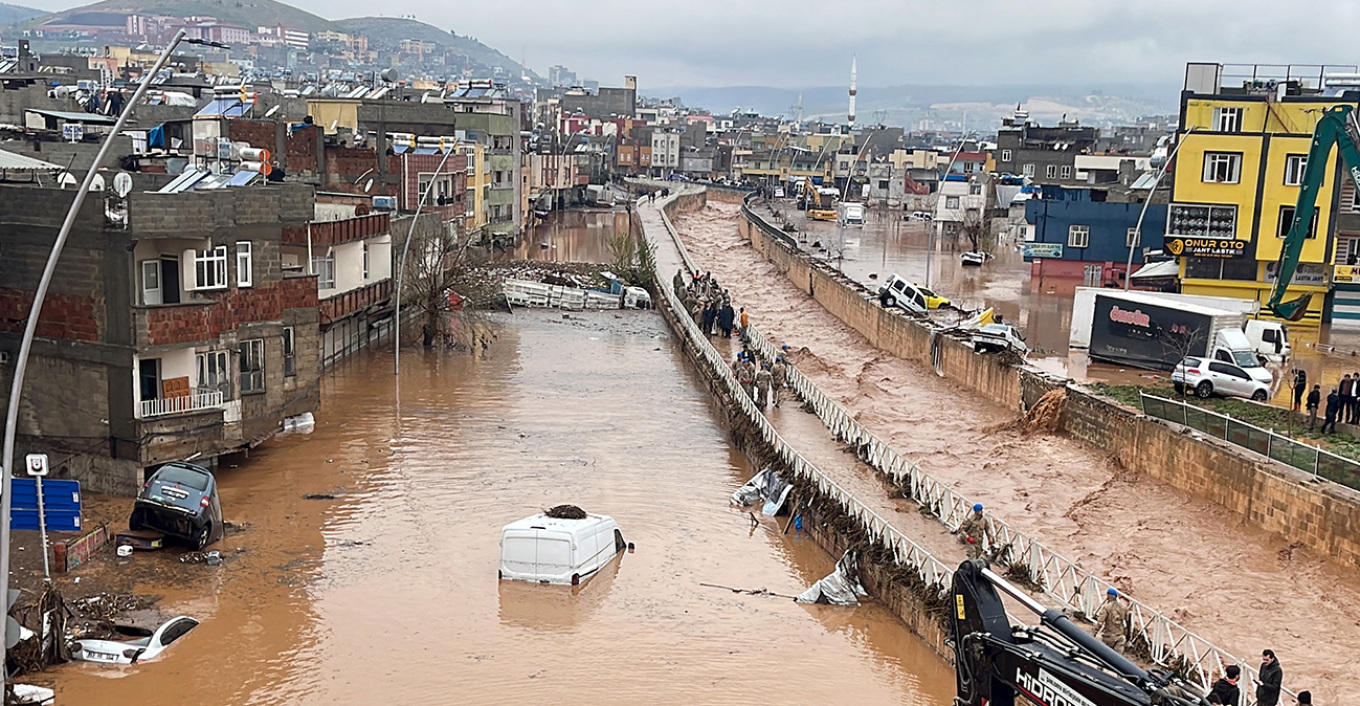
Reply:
x=1331, y=131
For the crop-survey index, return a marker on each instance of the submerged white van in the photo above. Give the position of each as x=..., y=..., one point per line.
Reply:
x=561, y=551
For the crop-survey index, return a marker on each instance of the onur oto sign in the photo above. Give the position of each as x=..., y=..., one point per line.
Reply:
x=1228, y=248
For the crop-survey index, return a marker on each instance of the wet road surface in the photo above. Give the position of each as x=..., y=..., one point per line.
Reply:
x=1240, y=587
x=388, y=593
x=571, y=236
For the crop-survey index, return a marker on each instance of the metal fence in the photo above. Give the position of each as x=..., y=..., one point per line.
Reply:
x=1075, y=589
x=1305, y=457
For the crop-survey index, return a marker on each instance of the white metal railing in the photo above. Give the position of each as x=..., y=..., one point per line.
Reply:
x=196, y=401
x=1075, y=588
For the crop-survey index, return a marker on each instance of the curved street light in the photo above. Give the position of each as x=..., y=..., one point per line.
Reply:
x=1138, y=227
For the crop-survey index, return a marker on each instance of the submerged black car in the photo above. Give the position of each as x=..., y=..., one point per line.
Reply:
x=180, y=500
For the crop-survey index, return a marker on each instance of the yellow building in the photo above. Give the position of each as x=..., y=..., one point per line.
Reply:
x=478, y=185
x=1236, y=180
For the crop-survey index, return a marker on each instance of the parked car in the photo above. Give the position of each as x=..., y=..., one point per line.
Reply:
x=180, y=500
x=919, y=216
x=994, y=338
x=135, y=650
x=1207, y=377
x=900, y=293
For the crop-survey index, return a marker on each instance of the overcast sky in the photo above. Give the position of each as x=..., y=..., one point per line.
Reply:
x=797, y=43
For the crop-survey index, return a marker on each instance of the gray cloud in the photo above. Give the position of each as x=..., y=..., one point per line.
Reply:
x=795, y=43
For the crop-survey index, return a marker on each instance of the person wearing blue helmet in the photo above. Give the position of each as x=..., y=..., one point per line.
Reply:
x=973, y=532
x=1112, y=618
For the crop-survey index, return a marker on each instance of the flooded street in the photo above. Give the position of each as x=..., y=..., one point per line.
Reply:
x=1248, y=589
x=387, y=593
x=571, y=236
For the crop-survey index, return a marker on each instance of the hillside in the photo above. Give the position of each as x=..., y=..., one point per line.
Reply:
x=9, y=14
x=387, y=32
x=246, y=13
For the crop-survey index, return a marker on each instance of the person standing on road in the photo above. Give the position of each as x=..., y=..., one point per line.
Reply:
x=763, y=382
x=1329, y=418
x=725, y=318
x=1270, y=677
x=745, y=321
x=1300, y=386
x=1347, y=390
x=1314, y=399
x=1225, y=689
x=1353, y=414
x=973, y=532
x=779, y=376
x=1111, y=617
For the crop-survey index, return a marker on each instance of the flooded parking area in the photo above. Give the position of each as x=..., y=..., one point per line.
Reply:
x=383, y=588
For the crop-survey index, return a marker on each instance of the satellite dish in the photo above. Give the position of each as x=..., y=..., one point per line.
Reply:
x=270, y=113
x=98, y=183
x=389, y=75
x=66, y=179
x=122, y=184
x=368, y=186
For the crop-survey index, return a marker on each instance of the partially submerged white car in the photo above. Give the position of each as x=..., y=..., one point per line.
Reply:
x=556, y=550
x=133, y=651
x=992, y=338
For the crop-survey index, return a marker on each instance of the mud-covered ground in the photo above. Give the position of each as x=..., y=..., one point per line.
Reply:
x=1240, y=587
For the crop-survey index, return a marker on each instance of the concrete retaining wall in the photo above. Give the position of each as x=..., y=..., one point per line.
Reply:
x=1320, y=515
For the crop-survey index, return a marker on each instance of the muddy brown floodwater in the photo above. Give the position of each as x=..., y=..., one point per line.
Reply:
x=571, y=236
x=388, y=594
x=1242, y=588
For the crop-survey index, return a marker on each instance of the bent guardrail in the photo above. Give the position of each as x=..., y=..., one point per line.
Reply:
x=1305, y=457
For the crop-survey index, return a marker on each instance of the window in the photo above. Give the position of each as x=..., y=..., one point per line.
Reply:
x=324, y=269
x=252, y=365
x=1078, y=236
x=1051, y=171
x=1066, y=172
x=245, y=272
x=1227, y=120
x=975, y=189
x=1131, y=238
x=210, y=268
x=1294, y=165
x=1242, y=269
x=1201, y=221
x=1287, y=222
x=1029, y=170
x=1222, y=168
x=212, y=372
x=882, y=184
x=289, y=352
x=1005, y=155
x=951, y=202
x=365, y=261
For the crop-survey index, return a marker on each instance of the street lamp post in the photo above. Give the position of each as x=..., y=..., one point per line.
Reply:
x=1138, y=227
x=35, y=312
x=401, y=269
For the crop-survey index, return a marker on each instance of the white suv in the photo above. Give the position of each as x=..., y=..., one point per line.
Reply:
x=1214, y=377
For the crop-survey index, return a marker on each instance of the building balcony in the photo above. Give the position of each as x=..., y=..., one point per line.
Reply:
x=339, y=306
x=197, y=401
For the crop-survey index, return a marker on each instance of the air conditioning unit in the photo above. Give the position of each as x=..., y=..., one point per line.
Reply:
x=384, y=203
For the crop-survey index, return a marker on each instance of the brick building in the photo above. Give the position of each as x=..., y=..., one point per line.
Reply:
x=173, y=329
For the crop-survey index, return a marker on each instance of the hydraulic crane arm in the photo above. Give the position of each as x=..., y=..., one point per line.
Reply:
x=1332, y=130
x=1055, y=664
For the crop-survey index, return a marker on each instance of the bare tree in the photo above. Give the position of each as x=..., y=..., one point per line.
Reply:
x=438, y=256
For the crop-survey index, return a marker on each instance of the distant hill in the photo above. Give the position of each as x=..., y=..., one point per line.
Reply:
x=387, y=33
x=9, y=14
x=246, y=13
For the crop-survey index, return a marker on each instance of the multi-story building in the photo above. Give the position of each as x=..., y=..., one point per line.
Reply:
x=1073, y=236
x=1244, y=145
x=665, y=151
x=961, y=199
x=1047, y=155
x=174, y=330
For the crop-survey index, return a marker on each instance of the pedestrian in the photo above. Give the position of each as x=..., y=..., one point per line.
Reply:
x=745, y=321
x=1111, y=617
x=1347, y=390
x=779, y=376
x=763, y=381
x=725, y=319
x=1329, y=415
x=1305, y=698
x=1226, y=688
x=1314, y=398
x=973, y=532
x=1353, y=414
x=1300, y=386
x=709, y=313
x=748, y=376
x=1270, y=678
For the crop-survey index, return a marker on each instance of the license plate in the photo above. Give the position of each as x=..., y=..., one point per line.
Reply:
x=101, y=656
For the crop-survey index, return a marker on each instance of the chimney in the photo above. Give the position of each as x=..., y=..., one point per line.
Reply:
x=630, y=82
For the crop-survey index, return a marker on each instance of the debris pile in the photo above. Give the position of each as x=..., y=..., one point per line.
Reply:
x=565, y=512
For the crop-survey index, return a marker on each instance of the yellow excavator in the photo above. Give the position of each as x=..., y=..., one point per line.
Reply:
x=1337, y=128
x=821, y=203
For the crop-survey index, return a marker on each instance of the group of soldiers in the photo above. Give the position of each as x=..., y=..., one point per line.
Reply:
x=708, y=304
x=764, y=382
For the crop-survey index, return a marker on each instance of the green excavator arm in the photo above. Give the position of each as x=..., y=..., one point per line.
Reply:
x=1331, y=131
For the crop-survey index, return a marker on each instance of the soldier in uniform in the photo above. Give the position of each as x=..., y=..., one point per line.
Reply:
x=779, y=376
x=763, y=382
x=973, y=532
x=1111, y=617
